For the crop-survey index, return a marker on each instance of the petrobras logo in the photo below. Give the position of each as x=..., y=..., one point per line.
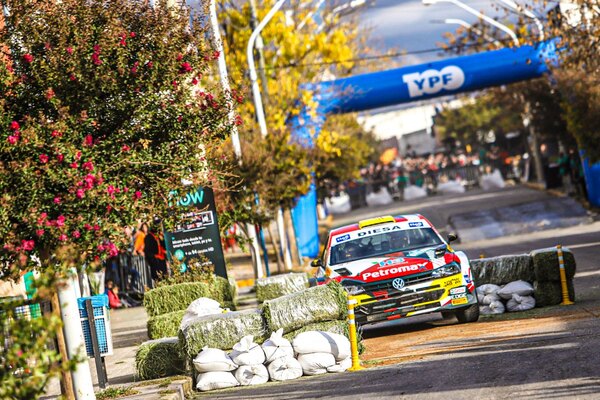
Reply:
x=390, y=272
x=342, y=238
x=432, y=81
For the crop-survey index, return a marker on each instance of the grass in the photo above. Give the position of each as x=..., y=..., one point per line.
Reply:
x=116, y=392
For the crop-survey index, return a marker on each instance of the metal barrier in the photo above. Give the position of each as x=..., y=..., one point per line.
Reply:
x=22, y=309
x=130, y=273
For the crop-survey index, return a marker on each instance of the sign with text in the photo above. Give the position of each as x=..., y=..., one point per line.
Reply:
x=198, y=236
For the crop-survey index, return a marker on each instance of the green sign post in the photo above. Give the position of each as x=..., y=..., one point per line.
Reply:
x=199, y=235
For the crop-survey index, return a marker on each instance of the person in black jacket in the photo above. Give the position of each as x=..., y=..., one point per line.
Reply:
x=155, y=253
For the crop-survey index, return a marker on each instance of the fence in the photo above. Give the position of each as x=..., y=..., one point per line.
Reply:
x=130, y=273
x=19, y=308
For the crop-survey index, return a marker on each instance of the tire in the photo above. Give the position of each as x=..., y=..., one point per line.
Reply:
x=447, y=314
x=468, y=314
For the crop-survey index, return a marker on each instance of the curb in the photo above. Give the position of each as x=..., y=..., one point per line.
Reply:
x=175, y=388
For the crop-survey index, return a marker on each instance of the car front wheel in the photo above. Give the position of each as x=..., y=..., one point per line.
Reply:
x=468, y=314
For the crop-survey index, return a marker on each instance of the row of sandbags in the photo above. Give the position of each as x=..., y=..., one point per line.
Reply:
x=277, y=359
x=514, y=296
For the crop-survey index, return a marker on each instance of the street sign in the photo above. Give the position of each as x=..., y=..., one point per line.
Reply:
x=198, y=236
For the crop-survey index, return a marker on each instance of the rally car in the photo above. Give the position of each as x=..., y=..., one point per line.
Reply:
x=399, y=267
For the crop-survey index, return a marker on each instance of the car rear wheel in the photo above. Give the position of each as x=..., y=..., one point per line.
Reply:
x=468, y=314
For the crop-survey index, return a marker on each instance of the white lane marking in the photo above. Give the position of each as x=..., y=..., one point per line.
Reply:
x=578, y=246
x=584, y=274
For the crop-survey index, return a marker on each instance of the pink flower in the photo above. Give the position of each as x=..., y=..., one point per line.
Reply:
x=12, y=139
x=87, y=227
x=125, y=148
x=185, y=67
x=14, y=125
x=100, y=247
x=195, y=81
x=88, y=166
x=60, y=157
x=40, y=232
x=123, y=42
x=125, y=189
x=62, y=238
x=76, y=234
x=80, y=193
x=56, y=133
x=72, y=77
x=96, y=48
x=70, y=50
x=111, y=190
x=60, y=221
x=179, y=57
x=96, y=227
x=216, y=54
x=27, y=245
x=137, y=195
x=74, y=165
x=28, y=58
x=57, y=200
x=149, y=64
x=96, y=59
x=89, y=140
x=43, y=158
x=132, y=34
x=238, y=120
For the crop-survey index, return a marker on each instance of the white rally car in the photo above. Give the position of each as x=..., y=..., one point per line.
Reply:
x=399, y=267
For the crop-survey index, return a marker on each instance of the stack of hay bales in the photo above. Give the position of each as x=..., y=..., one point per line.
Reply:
x=540, y=268
x=166, y=305
x=319, y=308
x=547, y=284
x=280, y=285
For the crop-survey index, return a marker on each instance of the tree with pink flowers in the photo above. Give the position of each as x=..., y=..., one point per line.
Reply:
x=105, y=108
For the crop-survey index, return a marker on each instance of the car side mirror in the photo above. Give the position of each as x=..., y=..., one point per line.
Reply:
x=316, y=263
x=452, y=237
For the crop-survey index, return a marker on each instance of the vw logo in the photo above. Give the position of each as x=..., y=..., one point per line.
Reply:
x=398, y=283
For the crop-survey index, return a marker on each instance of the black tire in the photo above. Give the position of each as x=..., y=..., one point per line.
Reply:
x=468, y=314
x=447, y=314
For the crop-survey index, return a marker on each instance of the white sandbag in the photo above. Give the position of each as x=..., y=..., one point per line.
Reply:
x=246, y=352
x=215, y=380
x=252, y=374
x=486, y=294
x=520, y=303
x=412, y=192
x=211, y=360
x=338, y=204
x=316, y=363
x=491, y=181
x=450, y=187
x=521, y=288
x=322, y=342
x=277, y=346
x=284, y=369
x=341, y=366
x=198, y=308
x=488, y=288
x=379, y=198
x=496, y=307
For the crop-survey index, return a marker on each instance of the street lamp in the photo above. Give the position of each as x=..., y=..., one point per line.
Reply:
x=479, y=14
x=258, y=105
x=527, y=13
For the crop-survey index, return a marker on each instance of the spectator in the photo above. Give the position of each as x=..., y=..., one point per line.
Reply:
x=138, y=240
x=112, y=292
x=155, y=253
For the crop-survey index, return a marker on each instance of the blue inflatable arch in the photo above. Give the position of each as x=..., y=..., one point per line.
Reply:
x=405, y=85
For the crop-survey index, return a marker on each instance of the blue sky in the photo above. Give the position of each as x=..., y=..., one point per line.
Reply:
x=407, y=24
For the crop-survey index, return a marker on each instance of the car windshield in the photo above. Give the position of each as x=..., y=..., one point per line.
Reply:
x=410, y=243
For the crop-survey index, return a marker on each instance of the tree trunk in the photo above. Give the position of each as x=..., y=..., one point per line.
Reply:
x=287, y=258
x=289, y=225
x=66, y=383
x=274, y=243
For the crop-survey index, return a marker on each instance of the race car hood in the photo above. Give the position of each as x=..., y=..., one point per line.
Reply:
x=389, y=266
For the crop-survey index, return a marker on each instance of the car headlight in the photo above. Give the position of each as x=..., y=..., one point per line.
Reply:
x=446, y=270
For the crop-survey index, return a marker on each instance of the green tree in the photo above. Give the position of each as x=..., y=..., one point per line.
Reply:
x=104, y=110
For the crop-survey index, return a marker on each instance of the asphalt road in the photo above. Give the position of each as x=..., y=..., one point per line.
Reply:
x=550, y=354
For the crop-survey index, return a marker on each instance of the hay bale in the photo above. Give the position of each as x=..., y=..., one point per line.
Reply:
x=280, y=285
x=503, y=269
x=164, y=325
x=159, y=358
x=221, y=331
x=340, y=327
x=545, y=264
x=177, y=297
x=549, y=293
x=315, y=304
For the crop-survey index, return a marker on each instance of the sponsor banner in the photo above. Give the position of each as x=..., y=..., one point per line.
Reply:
x=459, y=301
x=371, y=231
x=458, y=290
x=377, y=273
